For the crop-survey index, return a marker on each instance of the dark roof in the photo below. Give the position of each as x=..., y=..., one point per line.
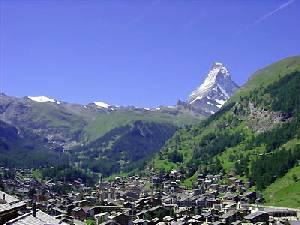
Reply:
x=276, y=210
x=229, y=214
x=253, y=215
x=218, y=223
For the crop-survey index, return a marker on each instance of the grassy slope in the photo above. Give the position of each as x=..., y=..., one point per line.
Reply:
x=125, y=148
x=285, y=191
x=106, y=122
x=164, y=165
x=190, y=138
x=268, y=75
x=228, y=156
x=56, y=117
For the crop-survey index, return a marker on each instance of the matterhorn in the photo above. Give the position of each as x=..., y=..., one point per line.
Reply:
x=216, y=89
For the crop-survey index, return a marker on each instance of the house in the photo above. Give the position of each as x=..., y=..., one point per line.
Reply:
x=140, y=222
x=78, y=213
x=201, y=202
x=230, y=217
x=207, y=216
x=258, y=216
x=212, y=201
x=251, y=196
x=9, y=207
x=277, y=212
x=122, y=219
x=110, y=222
x=218, y=223
x=101, y=217
x=94, y=210
x=34, y=218
x=231, y=196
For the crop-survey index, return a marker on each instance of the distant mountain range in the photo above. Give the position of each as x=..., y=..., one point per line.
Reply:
x=100, y=136
x=207, y=99
x=65, y=125
x=252, y=132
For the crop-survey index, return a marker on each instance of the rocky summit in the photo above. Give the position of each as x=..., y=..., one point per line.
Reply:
x=216, y=89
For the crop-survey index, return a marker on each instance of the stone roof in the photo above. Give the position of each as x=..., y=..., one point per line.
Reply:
x=253, y=215
x=40, y=219
x=8, y=198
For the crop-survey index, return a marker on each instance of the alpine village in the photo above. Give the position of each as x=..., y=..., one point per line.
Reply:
x=226, y=155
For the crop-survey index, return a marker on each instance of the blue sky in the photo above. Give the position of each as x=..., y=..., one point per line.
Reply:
x=143, y=53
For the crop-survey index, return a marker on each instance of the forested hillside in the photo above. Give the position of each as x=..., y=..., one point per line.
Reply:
x=255, y=135
x=22, y=150
x=35, y=134
x=124, y=148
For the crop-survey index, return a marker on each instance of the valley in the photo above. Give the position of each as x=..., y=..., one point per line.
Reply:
x=219, y=156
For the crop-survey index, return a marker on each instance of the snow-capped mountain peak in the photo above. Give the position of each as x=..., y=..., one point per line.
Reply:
x=42, y=99
x=102, y=105
x=217, y=70
x=216, y=89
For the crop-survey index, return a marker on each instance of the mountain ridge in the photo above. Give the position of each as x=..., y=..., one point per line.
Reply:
x=215, y=90
x=69, y=124
x=254, y=136
x=71, y=129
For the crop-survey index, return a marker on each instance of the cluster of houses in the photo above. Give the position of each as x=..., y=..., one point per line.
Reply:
x=156, y=199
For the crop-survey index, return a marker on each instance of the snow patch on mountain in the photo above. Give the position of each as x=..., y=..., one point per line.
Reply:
x=221, y=102
x=42, y=99
x=102, y=105
x=223, y=91
x=216, y=89
x=210, y=81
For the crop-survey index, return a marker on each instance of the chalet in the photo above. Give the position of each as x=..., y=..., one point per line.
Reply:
x=218, y=223
x=91, y=199
x=9, y=207
x=185, y=201
x=258, y=216
x=168, y=219
x=230, y=217
x=94, y=210
x=251, y=196
x=198, y=191
x=231, y=196
x=207, y=216
x=212, y=201
x=34, y=218
x=201, y=202
x=55, y=211
x=156, y=180
x=109, y=222
x=122, y=219
x=217, y=207
x=277, y=212
x=140, y=222
x=79, y=214
x=101, y=217
x=215, y=187
x=223, y=188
